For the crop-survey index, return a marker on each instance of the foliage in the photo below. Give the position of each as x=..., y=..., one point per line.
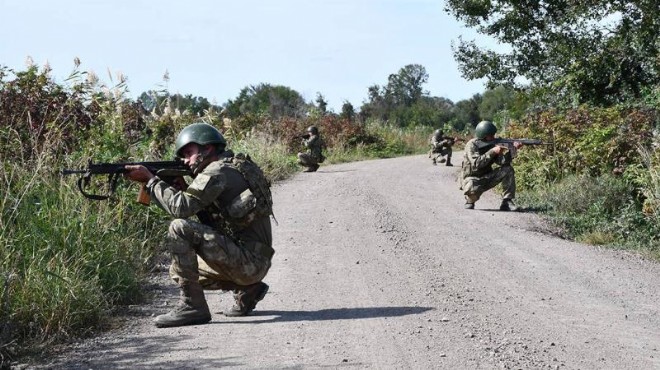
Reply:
x=601, y=52
x=36, y=111
x=586, y=140
x=403, y=91
x=274, y=100
x=602, y=210
x=161, y=101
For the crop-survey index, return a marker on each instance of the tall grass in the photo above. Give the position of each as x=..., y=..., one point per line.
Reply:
x=598, y=210
x=71, y=260
x=391, y=141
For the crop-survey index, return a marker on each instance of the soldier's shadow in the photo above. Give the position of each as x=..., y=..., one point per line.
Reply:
x=519, y=210
x=333, y=171
x=275, y=316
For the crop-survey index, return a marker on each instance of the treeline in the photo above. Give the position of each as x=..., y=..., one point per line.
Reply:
x=401, y=102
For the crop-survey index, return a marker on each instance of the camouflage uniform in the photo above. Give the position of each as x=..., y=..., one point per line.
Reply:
x=212, y=252
x=312, y=157
x=440, y=147
x=478, y=174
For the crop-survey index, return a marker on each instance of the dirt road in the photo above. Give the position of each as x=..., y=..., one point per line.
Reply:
x=378, y=265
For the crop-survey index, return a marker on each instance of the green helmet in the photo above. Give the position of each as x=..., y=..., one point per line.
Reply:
x=199, y=133
x=437, y=133
x=313, y=130
x=484, y=128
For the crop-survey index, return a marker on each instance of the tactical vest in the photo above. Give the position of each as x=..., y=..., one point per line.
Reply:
x=254, y=202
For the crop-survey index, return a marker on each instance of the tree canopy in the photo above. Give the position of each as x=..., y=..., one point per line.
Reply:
x=590, y=51
x=275, y=100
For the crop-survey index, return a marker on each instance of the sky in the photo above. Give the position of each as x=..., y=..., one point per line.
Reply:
x=214, y=48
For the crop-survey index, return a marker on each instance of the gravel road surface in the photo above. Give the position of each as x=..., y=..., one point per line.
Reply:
x=378, y=265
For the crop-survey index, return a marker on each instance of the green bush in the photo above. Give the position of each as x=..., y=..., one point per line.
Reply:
x=586, y=140
x=598, y=210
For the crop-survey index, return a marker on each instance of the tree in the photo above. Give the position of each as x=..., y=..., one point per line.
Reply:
x=322, y=104
x=275, y=100
x=597, y=51
x=466, y=113
x=196, y=105
x=496, y=100
x=347, y=111
x=405, y=87
x=402, y=92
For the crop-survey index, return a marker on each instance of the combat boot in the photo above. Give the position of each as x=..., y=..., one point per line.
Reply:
x=508, y=205
x=192, y=309
x=448, y=164
x=246, y=299
x=469, y=205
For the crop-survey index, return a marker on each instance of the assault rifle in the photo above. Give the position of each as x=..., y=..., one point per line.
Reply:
x=167, y=171
x=509, y=150
x=452, y=141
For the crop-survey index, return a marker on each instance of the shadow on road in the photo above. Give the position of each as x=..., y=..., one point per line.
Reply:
x=330, y=314
x=336, y=171
x=131, y=352
x=520, y=210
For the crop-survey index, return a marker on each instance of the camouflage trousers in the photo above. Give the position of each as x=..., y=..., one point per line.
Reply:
x=436, y=153
x=200, y=253
x=307, y=160
x=473, y=187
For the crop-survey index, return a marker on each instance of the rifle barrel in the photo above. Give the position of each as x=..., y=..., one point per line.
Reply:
x=72, y=172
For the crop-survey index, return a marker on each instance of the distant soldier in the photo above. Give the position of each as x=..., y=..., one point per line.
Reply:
x=313, y=156
x=441, y=147
x=478, y=174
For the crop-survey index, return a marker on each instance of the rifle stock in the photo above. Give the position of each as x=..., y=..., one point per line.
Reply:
x=165, y=170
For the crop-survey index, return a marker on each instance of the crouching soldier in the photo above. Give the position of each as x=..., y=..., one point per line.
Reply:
x=441, y=147
x=311, y=158
x=230, y=246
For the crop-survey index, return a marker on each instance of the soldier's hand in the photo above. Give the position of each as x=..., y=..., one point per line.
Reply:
x=179, y=183
x=497, y=150
x=517, y=144
x=138, y=173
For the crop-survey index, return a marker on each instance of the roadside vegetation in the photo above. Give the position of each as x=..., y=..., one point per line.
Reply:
x=67, y=264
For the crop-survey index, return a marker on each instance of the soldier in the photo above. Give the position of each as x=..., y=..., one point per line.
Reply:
x=231, y=247
x=313, y=156
x=440, y=147
x=478, y=174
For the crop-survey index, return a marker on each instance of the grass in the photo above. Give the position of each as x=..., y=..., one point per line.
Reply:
x=604, y=210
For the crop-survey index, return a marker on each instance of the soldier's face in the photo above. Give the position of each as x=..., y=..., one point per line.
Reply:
x=196, y=157
x=190, y=153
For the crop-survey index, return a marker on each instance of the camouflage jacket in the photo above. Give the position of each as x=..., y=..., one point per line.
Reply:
x=477, y=160
x=208, y=196
x=441, y=142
